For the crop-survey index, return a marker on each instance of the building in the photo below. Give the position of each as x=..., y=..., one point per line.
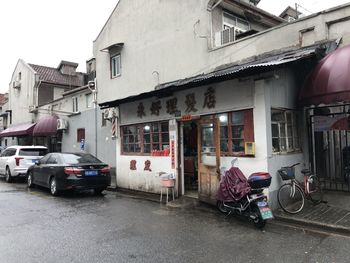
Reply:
x=196, y=85
x=32, y=86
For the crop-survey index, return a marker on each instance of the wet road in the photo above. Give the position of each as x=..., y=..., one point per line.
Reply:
x=35, y=227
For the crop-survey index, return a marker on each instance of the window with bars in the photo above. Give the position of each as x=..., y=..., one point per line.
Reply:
x=236, y=128
x=284, y=131
x=144, y=138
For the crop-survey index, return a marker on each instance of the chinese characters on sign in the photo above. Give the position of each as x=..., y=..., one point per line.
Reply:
x=147, y=166
x=133, y=165
x=155, y=108
x=172, y=154
x=190, y=103
x=172, y=104
x=141, y=110
x=209, y=100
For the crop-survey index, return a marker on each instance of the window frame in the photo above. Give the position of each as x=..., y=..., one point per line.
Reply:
x=247, y=132
x=75, y=104
x=118, y=70
x=283, y=125
x=139, y=131
x=236, y=18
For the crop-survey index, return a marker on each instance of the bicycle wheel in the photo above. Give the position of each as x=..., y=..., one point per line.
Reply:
x=315, y=190
x=291, y=198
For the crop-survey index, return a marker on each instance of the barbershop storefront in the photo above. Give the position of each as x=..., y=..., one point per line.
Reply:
x=195, y=127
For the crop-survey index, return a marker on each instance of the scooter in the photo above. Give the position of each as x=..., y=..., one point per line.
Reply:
x=243, y=197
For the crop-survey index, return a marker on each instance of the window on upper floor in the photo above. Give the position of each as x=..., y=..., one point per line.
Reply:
x=75, y=104
x=230, y=20
x=115, y=66
x=232, y=28
x=284, y=131
x=88, y=100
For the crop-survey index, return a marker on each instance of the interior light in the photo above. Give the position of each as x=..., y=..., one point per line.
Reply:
x=147, y=128
x=223, y=118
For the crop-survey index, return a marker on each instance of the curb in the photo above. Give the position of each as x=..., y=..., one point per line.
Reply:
x=314, y=224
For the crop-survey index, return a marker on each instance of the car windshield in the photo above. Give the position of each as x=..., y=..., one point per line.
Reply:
x=76, y=158
x=32, y=152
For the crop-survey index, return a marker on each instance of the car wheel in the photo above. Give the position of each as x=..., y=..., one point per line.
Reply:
x=53, y=187
x=30, y=180
x=8, y=176
x=98, y=191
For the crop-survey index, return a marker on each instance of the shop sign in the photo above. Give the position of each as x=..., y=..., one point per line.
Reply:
x=171, y=104
x=187, y=117
x=327, y=123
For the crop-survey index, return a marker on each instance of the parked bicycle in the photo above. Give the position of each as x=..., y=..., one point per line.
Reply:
x=291, y=196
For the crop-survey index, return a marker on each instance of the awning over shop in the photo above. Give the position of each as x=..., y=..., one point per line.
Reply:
x=329, y=82
x=46, y=126
x=257, y=64
x=18, y=130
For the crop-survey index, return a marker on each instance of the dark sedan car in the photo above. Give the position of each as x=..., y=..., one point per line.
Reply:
x=69, y=171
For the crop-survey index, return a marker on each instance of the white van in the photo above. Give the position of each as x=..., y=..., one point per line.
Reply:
x=15, y=160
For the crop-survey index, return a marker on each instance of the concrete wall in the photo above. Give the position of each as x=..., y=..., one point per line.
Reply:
x=21, y=98
x=168, y=44
x=106, y=147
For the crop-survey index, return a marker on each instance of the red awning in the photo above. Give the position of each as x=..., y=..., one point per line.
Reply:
x=329, y=82
x=46, y=126
x=18, y=130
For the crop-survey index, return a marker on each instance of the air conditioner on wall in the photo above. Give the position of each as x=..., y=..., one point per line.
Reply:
x=62, y=124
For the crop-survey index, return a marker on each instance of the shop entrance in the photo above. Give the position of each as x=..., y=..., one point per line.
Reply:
x=200, y=158
x=190, y=159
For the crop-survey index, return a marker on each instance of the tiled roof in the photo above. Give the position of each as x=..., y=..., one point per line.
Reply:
x=53, y=75
x=3, y=99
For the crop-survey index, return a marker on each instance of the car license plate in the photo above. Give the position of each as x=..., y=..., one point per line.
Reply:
x=91, y=173
x=265, y=210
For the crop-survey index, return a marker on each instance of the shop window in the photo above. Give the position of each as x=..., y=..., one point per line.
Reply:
x=284, y=131
x=80, y=134
x=145, y=138
x=236, y=128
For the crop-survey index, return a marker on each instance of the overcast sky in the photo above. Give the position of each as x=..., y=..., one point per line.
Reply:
x=45, y=32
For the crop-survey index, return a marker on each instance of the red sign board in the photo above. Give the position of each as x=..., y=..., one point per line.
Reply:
x=172, y=145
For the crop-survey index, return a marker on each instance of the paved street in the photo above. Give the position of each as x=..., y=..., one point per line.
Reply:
x=35, y=227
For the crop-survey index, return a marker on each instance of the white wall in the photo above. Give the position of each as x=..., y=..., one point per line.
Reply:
x=162, y=38
x=20, y=99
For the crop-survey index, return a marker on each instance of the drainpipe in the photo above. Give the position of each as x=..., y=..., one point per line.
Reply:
x=93, y=88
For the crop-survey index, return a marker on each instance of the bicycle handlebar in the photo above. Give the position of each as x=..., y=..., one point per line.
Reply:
x=286, y=167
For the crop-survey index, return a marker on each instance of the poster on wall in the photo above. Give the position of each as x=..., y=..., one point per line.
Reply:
x=328, y=123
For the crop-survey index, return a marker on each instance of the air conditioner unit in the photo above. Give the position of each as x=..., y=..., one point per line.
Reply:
x=16, y=84
x=62, y=124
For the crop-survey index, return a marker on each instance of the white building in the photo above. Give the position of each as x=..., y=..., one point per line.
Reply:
x=199, y=83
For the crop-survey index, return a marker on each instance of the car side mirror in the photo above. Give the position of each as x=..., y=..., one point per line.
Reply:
x=37, y=162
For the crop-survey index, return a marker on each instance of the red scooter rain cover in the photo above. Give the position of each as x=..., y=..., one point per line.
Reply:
x=233, y=185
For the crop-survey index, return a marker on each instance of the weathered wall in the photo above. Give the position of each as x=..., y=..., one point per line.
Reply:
x=173, y=49
x=21, y=98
